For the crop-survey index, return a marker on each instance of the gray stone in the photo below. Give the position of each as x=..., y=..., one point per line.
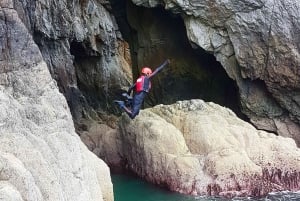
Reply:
x=202, y=148
x=263, y=37
x=41, y=156
x=81, y=44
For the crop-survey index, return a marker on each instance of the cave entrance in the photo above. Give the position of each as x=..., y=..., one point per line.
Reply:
x=154, y=35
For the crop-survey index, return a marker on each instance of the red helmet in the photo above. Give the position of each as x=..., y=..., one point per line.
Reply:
x=146, y=71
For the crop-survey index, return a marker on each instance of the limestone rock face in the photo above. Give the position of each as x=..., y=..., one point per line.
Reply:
x=41, y=156
x=257, y=43
x=105, y=142
x=202, y=148
x=83, y=48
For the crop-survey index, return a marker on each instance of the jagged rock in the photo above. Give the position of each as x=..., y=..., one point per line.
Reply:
x=202, y=148
x=257, y=43
x=84, y=51
x=41, y=156
x=153, y=36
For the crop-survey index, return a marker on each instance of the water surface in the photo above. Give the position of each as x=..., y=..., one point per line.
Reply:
x=130, y=188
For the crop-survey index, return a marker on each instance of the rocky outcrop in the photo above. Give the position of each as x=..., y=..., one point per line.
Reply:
x=257, y=43
x=105, y=142
x=41, y=156
x=152, y=37
x=84, y=51
x=195, y=147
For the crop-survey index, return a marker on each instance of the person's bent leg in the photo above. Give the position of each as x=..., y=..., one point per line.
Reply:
x=128, y=111
x=123, y=107
x=137, y=104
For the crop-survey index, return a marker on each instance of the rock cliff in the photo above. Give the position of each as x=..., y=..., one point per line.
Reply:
x=229, y=52
x=232, y=52
x=257, y=43
x=83, y=49
x=201, y=148
x=41, y=156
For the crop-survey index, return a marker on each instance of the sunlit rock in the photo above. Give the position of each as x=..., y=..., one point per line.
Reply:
x=195, y=147
x=41, y=156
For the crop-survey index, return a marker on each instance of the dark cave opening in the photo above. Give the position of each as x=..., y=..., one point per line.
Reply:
x=85, y=63
x=82, y=50
x=155, y=34
x=77, y=50
x=96, y=92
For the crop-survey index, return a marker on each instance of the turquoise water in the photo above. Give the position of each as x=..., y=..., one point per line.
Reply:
x=129, y=188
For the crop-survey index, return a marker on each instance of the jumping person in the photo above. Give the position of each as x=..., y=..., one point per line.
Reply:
x=142, y=87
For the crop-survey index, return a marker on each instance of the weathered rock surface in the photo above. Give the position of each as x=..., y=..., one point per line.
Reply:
x=257, y=43
x=202, y=148
x=104, y=141
x=156, y=35
x=84, y=51
x=41, y=156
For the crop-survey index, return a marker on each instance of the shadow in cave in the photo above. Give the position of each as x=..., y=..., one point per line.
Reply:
x=154, y=35
x=86, y=61
x=219, y=87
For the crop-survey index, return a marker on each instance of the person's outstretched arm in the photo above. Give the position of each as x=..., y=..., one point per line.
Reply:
x=160, y=68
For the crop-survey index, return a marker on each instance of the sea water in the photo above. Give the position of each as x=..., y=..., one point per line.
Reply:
x=130, y=188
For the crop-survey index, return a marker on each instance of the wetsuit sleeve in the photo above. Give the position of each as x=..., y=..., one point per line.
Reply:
x=159, y=68
x=130, y=89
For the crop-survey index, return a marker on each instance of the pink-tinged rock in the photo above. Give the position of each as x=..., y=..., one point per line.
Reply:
x=199, y=148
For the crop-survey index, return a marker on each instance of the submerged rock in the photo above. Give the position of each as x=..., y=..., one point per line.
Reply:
x=195, y=147
x=41, y=156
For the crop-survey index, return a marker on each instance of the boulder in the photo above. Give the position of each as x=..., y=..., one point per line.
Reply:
x=198, y=148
